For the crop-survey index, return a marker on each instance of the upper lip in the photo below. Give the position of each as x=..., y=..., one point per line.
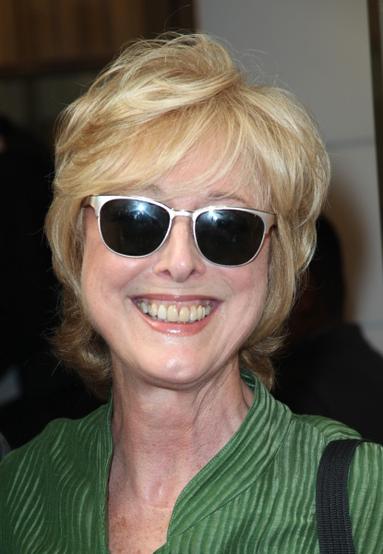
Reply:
x=175, y=297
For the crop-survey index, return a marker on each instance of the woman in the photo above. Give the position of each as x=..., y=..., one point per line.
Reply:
x=184, y=211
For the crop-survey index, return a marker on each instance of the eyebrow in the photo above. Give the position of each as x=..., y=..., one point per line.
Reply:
x=216, y=195
x=152, y=190
x=155, y=192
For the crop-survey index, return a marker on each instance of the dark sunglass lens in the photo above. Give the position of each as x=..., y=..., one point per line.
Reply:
x=229, y=237
x=133, y=227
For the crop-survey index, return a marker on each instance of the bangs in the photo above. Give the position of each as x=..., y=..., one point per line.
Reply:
x=150, y=152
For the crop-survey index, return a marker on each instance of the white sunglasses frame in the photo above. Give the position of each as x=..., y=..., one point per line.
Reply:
x=98, y=201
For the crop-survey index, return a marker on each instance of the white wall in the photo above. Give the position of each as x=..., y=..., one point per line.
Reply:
x=320, y=51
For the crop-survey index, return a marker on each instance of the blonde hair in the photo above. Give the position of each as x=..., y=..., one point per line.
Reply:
x=149, y=109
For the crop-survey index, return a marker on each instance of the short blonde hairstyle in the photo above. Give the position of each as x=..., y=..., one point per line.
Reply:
x=144, y=113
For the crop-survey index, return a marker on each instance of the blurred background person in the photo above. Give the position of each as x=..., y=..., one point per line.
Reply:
x=33, y=387
x=25, y=173
x=328, y=367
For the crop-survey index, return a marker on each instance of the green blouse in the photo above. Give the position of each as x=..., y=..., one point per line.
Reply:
x=257, y=495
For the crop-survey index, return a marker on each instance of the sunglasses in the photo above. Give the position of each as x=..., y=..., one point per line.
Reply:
x=136, y=227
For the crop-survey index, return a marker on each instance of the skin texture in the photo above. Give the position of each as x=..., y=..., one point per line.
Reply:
x=178, y=397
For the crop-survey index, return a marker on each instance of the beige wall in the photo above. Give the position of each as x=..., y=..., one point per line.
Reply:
x=320, y=51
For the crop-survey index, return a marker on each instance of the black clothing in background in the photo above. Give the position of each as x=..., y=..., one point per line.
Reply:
x=335, y=373
x=4, y=446
x=51, y=394
x=29, y=298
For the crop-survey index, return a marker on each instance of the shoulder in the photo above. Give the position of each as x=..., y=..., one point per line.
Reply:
x=325, y=426
x=55, y=438
x=365, y=484
x=305, y=441
x=38, y=463
x=319, y=431
x=46, y=481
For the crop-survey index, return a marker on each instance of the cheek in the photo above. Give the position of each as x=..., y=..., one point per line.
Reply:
x=243, y=310
x=252, y=279
x=251, y=286
x=104, y=274
x=106, y=278
x=103, y=283
x=101, y=271
x=94, y=262
x=92, y=284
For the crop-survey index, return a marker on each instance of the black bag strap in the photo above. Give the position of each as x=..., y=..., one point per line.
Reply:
x=332, y=512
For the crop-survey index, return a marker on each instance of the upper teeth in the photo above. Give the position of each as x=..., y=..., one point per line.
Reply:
x=171, y=313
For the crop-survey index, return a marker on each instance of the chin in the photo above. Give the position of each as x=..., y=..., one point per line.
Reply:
x=176, y=374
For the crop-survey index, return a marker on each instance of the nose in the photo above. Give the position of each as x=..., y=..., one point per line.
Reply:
x=179, y=258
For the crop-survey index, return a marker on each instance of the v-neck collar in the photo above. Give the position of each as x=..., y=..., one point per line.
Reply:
x=234, y=468
x=238, y=464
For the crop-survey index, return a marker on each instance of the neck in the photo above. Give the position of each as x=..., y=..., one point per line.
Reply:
x=164, y=437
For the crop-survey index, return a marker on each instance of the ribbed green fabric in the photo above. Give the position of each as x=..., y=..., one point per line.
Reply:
x=257, y=495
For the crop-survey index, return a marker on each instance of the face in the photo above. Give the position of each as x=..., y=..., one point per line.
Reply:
x=127, y=299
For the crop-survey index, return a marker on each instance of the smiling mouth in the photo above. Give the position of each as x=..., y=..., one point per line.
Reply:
x=175, y=313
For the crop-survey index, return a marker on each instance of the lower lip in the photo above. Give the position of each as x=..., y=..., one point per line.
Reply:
x=179, y=329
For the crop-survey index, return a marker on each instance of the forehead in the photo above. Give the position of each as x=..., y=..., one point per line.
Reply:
x=218, y=192
x=198, y=175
